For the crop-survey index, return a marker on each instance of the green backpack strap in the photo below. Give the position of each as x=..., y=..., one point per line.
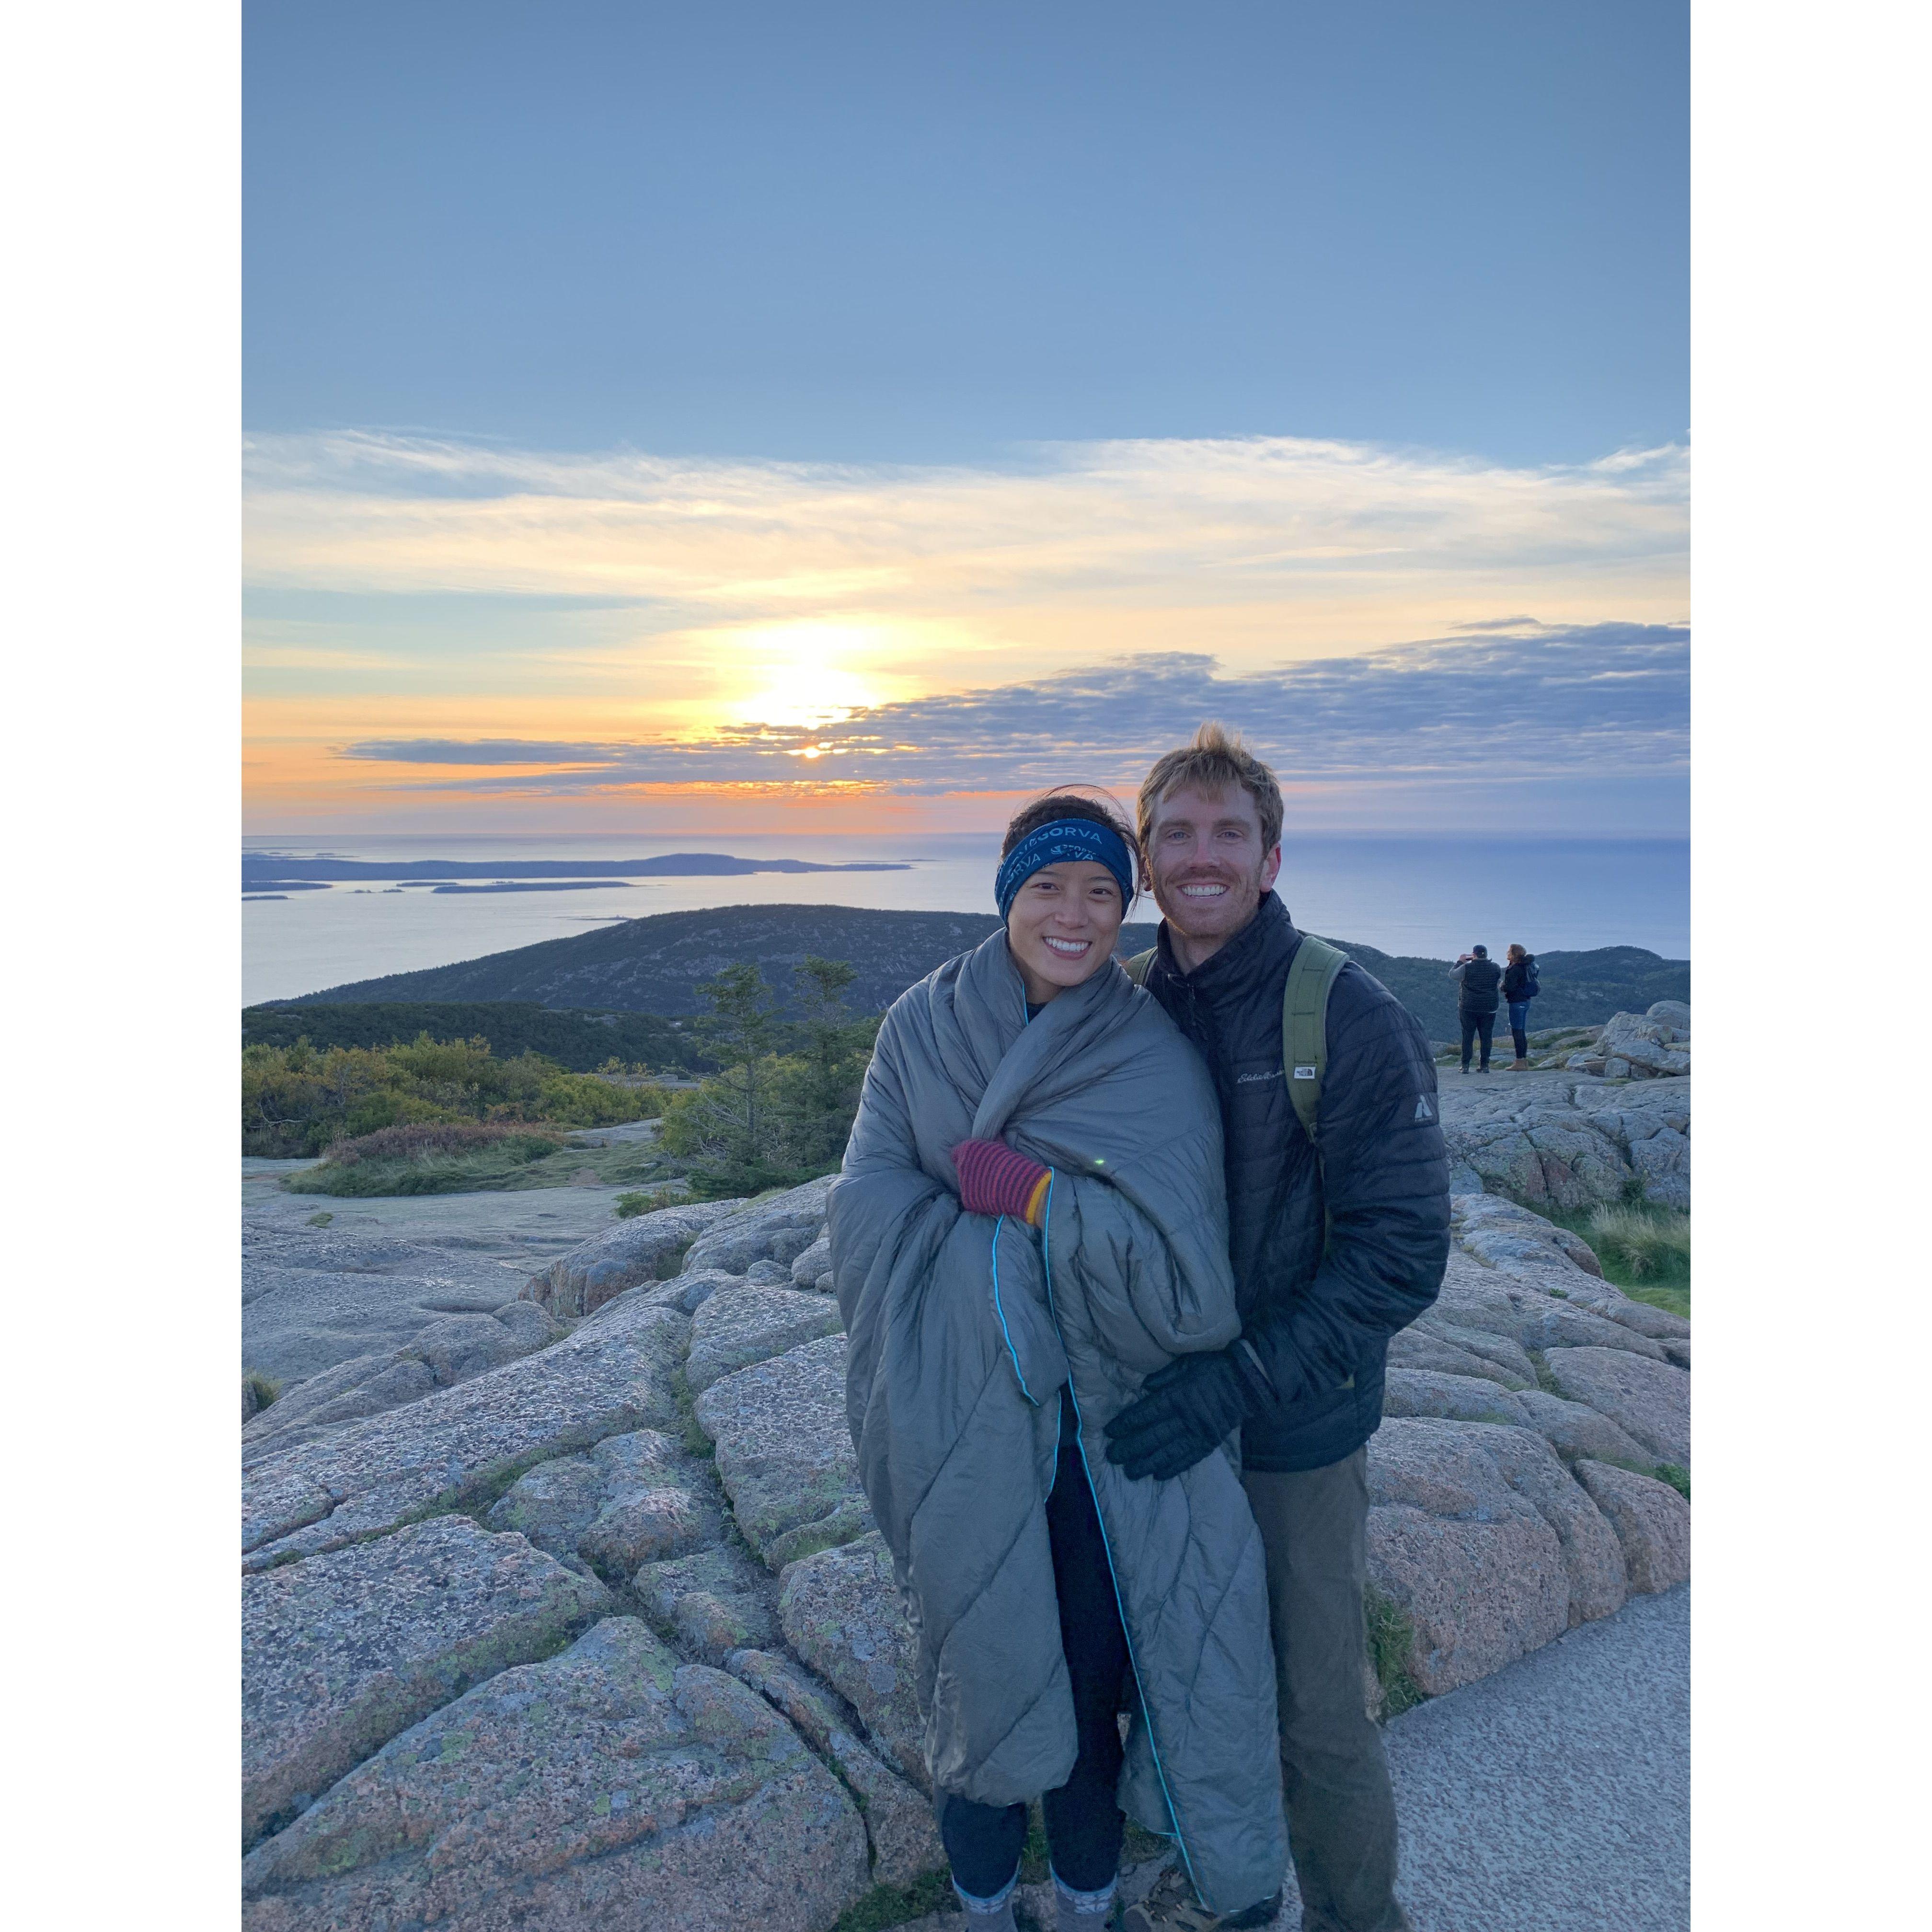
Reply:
x=1304, y=1025
x=1304, y=1019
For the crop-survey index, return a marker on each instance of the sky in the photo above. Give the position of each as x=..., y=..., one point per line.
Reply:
x=759, y=416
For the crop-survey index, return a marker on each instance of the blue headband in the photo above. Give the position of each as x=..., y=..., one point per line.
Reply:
x=1065, y=839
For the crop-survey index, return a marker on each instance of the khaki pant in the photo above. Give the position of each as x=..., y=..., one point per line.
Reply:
x=1341, y=1811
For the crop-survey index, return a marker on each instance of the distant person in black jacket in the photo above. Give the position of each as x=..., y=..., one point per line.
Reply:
x=1336, y=1244
x=1478, y=977
x=1519, y=987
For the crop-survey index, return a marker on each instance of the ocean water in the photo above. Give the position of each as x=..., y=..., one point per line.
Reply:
x=1431, y=896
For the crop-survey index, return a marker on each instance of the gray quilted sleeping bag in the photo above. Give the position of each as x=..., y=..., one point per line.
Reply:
x=964, y=1333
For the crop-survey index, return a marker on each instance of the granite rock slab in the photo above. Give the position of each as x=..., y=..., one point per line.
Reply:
x=811, y=1267
x=634, y=1499
x=688, y=1291
x=1543, y=1313
x=460, y=1445
x=382, y=1270
x=1455, y=1350
x=1570, y=1141
x=736, y=1327
x=448, y=1350
x=342, y=1652
x=778, y=1230
x=1648, y=1400
x=1500, y=1233
x=718, y=1601
x=841, y=1612
x=899, y=1820
x=647, y=1247
x=611, y=1788
x=1480, y=1536
x=1652, y=1522
x=784, y=1452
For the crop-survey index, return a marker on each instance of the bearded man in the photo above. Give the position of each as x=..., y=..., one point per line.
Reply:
x=1337, y=1242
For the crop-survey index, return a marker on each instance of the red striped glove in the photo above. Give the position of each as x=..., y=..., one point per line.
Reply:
x=993, y=1180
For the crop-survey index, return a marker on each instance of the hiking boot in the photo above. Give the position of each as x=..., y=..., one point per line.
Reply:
x=1518, y=1066
x=1172, y=1907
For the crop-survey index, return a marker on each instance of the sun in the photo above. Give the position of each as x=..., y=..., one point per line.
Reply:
x=799, y=675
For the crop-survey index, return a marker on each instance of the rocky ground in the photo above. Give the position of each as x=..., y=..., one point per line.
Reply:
x=1567, y=1140
x=563, y=1607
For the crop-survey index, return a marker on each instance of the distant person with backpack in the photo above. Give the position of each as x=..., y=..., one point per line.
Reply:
x=1477, y=977
x=1338, y=1211
x=1519, y=987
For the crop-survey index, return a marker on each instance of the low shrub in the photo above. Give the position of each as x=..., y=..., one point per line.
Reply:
x=448, y=1157
x=638, y=1201
x=266, y=1388
x=413, y=1142
x=298, y=1100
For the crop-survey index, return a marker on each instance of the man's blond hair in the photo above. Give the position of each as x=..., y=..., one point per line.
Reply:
x=1215, y=760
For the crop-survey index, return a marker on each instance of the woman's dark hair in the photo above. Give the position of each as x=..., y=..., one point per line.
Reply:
x=1088, y=802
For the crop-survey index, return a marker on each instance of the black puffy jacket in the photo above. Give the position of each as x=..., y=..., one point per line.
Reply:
x=1321, y=1322
x=1516, y=982
x=1476, y=983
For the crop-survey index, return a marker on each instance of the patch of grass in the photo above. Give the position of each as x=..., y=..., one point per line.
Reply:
x=1391, y=1643
x=1677, y=1476
x=1645, y=1250
x=1651, y=1243
x=266, y=1388
x=1674, y=1301
x=321, y=1220
x=886, y=1905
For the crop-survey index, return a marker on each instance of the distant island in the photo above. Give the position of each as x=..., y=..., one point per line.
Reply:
x=261, y=871
x=538, y=885
x=657, y=965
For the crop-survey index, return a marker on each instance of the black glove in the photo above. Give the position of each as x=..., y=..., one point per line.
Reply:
x=1184, y=1410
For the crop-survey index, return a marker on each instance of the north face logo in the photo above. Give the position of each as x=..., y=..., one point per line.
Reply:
x=1423, y=1111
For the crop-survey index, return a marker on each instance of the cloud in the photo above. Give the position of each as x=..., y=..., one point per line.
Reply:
x=1532, y=700
x=1184, y=523
x=481, y=752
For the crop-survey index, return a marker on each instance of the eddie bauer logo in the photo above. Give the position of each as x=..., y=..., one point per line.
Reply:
x=1273, y=1073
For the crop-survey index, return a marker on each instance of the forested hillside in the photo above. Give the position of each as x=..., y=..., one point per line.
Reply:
x=654, y=966
x=580, y=1040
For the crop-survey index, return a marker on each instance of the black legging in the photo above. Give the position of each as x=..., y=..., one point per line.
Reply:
x=1473, y=1024
x=1083, y=1820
